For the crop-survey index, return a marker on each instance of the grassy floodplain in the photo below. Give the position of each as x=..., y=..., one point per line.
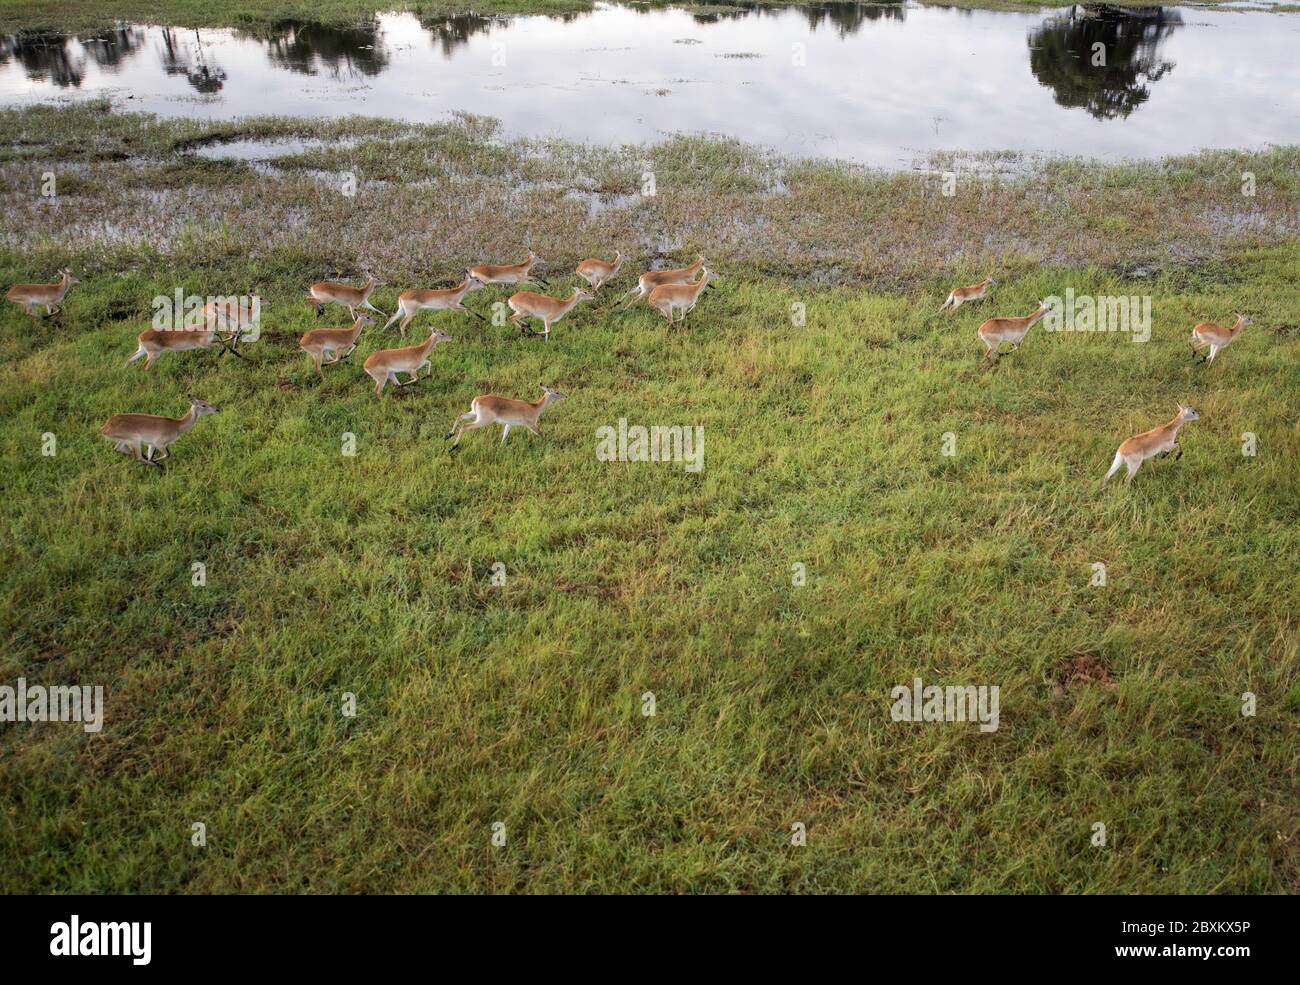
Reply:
x=522, y=703
x=87, y=15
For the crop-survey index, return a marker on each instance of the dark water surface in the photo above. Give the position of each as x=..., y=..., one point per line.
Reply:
x=882, y=83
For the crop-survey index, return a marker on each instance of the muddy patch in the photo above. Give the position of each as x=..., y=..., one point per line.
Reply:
x=1082, y=670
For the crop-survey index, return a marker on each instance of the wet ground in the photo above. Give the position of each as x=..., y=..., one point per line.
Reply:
x=884, y=84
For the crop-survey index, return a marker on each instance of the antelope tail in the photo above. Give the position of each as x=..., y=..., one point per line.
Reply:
x=1114, y=467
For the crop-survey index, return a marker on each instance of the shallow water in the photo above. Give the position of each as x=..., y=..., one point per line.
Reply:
x=884, y=84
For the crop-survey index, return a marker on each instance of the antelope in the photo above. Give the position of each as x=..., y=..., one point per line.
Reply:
x=231, y=314
x=321, y=342
x=491, y=409
x=995, y=331
x=960, y=295
x=668, y=297
x=1215, y=336
x=131, y=431
x=527, y=305
x=48, y=296
x=153, y=342
x=327, y=292
x=1157, y=441
x=651, y=279
x=410, y=303
x=508, y=273
x=596, y=272
x=384, y=365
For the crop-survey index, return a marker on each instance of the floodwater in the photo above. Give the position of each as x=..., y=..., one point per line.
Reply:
x=882, y=83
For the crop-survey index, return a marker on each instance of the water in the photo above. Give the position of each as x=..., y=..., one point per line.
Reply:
x=884, y=84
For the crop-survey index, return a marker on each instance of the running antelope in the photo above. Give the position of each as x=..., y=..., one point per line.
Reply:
x=327, y=292
x=412, y=302
x=972, y=292
x=508, y=273
x=995, y=331
x=597, y=272
x=1215, y=336
x=1157, y=441
x=384, y=365
x=339, y=342
x=669, y=297
x=153, y=342
x=527, y=305
x=132, y=431
x=491, y=409
x=651, y=279
x=48, y=296
x=229, y=313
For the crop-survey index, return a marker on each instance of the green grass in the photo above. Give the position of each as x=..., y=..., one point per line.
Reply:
x=82, y=15
x=85, y=15
x=521, y=703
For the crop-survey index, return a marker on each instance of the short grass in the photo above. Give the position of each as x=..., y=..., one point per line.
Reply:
x=522, y=703
x=83, y=15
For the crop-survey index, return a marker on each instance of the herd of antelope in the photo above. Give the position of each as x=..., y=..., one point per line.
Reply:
x=1207, y=340
x=669, y=292
x=147, y=438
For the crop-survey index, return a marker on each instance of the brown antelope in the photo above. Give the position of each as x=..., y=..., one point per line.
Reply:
x=384, y=365
x=527, y=305
x=153, y=342
x=995, y=331
x=651, y=279
x=508, y=273
x=132, y=431
x=491, y=409
x=327, y=292
x=597, y=272
x=972, y=292
x=48, y=296
x=412, y=302
x=667, y=298
x=321, y=342
x=1157, y=441
x=1215, y=336
x=230, y=314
